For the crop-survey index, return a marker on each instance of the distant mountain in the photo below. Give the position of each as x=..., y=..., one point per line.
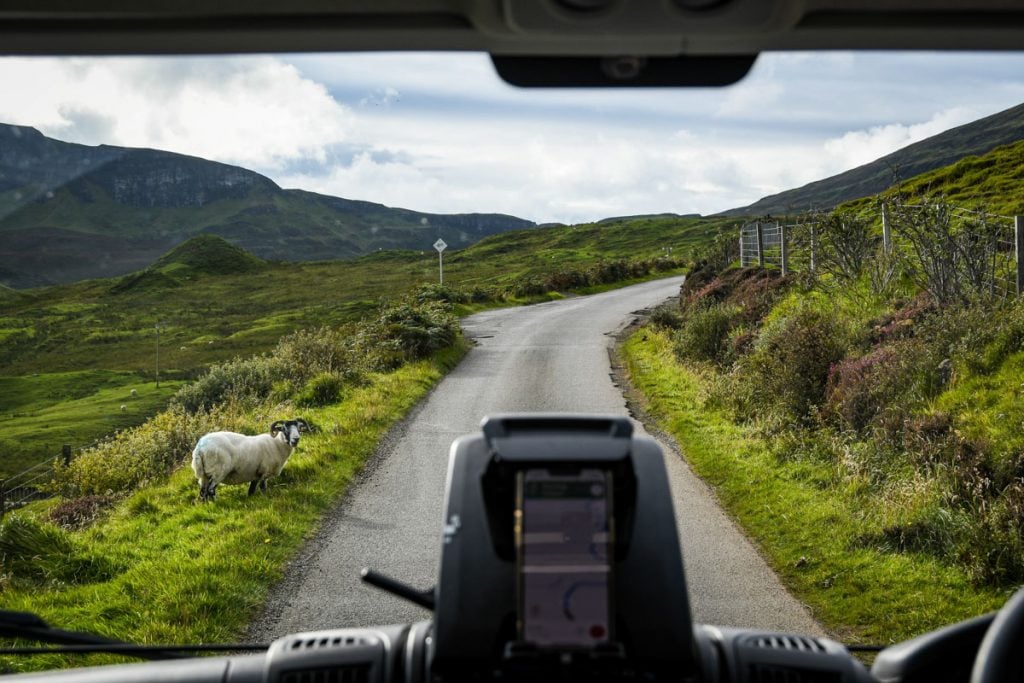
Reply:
x=974, y=138
x=70, y=212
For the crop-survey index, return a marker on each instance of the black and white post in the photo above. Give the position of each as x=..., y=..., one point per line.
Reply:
x=440, y=246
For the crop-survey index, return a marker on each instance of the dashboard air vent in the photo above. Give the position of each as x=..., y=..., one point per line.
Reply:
x=338, y=674
x=787, y=642
x=769, y=673
x=316, y=643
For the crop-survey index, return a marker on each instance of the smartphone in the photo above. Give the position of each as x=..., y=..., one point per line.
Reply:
x=564, y=542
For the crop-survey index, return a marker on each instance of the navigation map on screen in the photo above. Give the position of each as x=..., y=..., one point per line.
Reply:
x=565, y=539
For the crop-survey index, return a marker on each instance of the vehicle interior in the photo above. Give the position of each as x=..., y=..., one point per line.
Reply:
x=545, y=464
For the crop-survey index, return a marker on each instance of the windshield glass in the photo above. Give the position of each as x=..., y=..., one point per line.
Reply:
x=360, y=256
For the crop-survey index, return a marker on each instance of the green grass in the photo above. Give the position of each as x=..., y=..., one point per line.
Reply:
x=214, y=302
x=809, y=523
x=40, y=413
x=991, y=181
x=179, y=571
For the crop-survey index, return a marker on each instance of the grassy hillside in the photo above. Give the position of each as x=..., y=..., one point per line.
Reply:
x=838, y=402
x=975, y=138
x=124, y=207
x=992, y=181
x=213, y=302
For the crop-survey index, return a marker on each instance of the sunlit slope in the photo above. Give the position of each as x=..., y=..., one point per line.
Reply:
x=975, y=138
x=993, y=182
x=214, y=301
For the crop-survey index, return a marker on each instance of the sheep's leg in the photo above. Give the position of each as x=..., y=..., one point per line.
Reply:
x=211, y=491
x=263, y=484
x=252, y=486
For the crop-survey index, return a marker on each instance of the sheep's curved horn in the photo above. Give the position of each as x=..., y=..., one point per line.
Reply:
x=276, y=427
x=303, y=424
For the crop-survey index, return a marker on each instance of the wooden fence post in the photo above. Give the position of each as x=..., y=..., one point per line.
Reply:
x=1018, y=252
x=65, y=453
x=3, y=497
x=760, y=245
x=784, y=253
x=742, y=264
x=886, y=232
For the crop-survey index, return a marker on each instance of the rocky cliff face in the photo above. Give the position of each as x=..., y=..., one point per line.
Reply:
x=152, y=179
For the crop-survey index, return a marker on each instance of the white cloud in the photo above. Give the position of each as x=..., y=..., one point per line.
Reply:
x=863, y=146
x=440, y=132
x=258, y=112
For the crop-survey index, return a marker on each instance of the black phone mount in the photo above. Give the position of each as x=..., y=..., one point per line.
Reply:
x=474, y=630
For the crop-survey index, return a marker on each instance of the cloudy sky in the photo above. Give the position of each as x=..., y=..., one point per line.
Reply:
x=441, y=132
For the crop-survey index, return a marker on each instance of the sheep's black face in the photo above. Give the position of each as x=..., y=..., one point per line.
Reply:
x=291, y=430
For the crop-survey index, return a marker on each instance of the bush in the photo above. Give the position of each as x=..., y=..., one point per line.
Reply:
x=308, y=353
x=788, y=370
x=859, y=389
x=566, y=279
x=245, y=380
x=322, y=390
x=78, y=513
x=527, y=287
x=405, y=332
x=141, y=454
x=667, y=316
x=439, y=292
x=703, y=334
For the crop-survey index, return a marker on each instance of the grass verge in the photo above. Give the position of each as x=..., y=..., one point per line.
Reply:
x=177, y=571
x=808, y=522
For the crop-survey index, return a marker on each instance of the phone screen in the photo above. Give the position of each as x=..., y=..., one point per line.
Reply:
x=564, y=538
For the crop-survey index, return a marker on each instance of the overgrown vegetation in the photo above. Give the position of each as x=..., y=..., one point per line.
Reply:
x=71, y=355
x=150, y=566
x=899, y=403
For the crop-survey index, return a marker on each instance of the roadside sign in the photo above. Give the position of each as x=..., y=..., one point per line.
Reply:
x=440, y=245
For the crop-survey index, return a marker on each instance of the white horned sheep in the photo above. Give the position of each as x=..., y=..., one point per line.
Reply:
x=232, y=458
x=133, y=393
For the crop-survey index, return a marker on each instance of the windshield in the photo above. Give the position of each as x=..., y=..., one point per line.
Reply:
x=247, y=303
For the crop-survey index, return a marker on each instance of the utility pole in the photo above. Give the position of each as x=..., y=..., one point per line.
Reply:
x=158, y=355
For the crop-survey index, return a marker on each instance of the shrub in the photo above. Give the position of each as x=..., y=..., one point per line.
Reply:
x=141, y=454
x=703, y=334
x=566, y=279
x=404, y=332
x=666, y=316
x=322, y=390
x=307, y=353
x=78, y=513
x=246, y=380
x=526, y=287
x=858, y=389
x=439, y=292
x=788, y=369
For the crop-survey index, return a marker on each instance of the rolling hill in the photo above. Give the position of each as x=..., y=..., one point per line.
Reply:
x=70, y=212
x=975, y=138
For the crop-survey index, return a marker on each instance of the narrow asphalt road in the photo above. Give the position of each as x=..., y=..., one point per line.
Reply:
x=552, y=357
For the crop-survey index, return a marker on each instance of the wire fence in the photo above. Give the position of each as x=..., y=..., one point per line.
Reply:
x=31, y=484
x=965, y=248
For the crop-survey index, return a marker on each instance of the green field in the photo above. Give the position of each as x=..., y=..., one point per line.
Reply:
x=70, y=354
x=40, y=413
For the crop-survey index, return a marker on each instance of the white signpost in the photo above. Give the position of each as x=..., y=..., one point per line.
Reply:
x=440, y=245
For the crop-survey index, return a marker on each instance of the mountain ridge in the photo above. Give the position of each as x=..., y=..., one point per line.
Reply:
x=970, y=139
x=70, y=212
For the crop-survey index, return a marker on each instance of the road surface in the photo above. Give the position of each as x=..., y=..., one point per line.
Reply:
x=553, y=357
